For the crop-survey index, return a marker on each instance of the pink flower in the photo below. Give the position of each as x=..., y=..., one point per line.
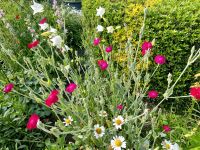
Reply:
x=145, y=47
x=52, y=98
x=71, y=87
x=108, y=49
x=166, y=128
x=195, y=92
x=96, y=41
x=32, y=122
x=8, y=87
x=153, y=94
x=120, y=107
x=44, y=20
x=33, y=44
x=160, y=59
x=102, y=64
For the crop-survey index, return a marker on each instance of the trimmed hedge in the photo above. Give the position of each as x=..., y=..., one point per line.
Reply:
x=173, y=23
x=176, y=29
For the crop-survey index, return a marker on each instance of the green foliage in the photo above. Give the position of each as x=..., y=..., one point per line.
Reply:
x=175, y=26
x=13, y=117
x=15, y=110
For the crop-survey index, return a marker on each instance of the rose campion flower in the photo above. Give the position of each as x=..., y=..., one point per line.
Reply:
x=43, y=24
x=100, y=11
x=52, y=98
x=146, y=46
x=32, y=122
x=100, y=28
x=166, y=128
x=152, y=94
x=195, y=92
x=102, y=64
x=44, y=20
x=160, y=59
x=71, y=87
x=120, y=107
x=33, y=44
x=96, y=41
x=8, y=87
x=108, y=49
x=110, y=29
x=37, y=8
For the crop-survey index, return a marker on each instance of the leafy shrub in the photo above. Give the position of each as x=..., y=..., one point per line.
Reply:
x=174, y=24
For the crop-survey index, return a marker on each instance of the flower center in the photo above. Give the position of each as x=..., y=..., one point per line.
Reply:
x=167, y=146
x=68, y=121
x=98, y=130
x=118, y=122
x=118, y=143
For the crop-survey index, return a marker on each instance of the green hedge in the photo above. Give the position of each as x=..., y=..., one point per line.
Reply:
x=173, y=23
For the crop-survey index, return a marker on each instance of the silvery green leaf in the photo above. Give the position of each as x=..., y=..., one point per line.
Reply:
x=169, y=79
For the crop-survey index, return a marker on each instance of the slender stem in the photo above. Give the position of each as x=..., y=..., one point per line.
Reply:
x=180, y=96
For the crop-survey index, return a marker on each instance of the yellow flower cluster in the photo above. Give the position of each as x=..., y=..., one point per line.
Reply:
x=133, y=19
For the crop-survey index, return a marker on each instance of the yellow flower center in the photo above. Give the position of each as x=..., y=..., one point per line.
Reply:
x=67, y=121
x=118, y=122
x=98, y=130
x=167, y=146
x=118, y=143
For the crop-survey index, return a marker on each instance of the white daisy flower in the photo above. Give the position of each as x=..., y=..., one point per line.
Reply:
x=57, y=41
x=118, y=143
x=68, y=121
x=37, y=8
x=99, y=131
x=110, y=29
x=100, y=12
x=103, y=114
x=169, y=146
x=44, y=26
x=118, y=122
x=100, y=28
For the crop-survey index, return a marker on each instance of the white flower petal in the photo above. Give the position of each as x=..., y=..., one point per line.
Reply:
x=44, y=26
x=100, y=11
x=57, y=41
x=110, y=29
x=100, y=28
x=37, y=8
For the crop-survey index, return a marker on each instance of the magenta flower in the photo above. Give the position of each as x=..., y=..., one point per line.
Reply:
x=71, y=87
x=120, y=107
x=102, y=64
x=96, y=41
x=108, y=49
x=44, y=20
x=195, y=92
x=32, y=122
x=8, y=87
x=166, y=128
x=52, y=98
x=152, y=94
x=160, y=59
x=146, y=46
